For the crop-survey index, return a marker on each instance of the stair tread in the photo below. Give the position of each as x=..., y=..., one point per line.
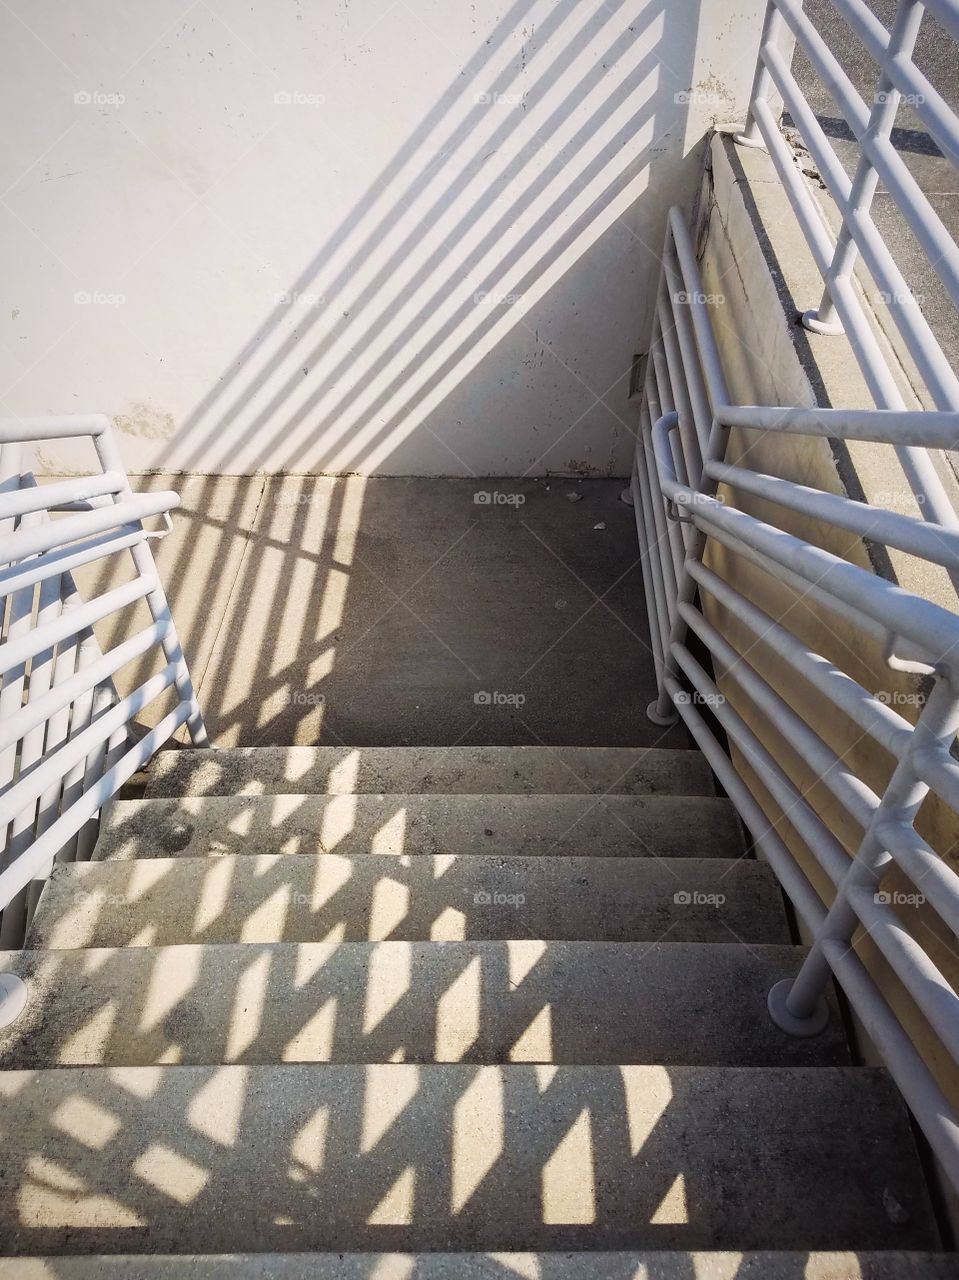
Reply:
x=400, y=1156
x=459, y=770
x=615, y=825
x=486, y=1002
x=304, y=898
x=590, y=1265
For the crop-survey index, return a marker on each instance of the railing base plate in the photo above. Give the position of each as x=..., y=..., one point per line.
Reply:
x=652, y=713
x=829, y=329
x=785, y=1021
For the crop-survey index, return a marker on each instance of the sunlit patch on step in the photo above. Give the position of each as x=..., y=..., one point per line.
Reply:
x=339, y=819
x=246, y=1016
x=343, y=776
x=313, y=1041
x=268, y=920
x=524, y=956
x=648, y=1092
x=216, y=1109
x=568, y=1181
x=458, y=1014
x=389, y=977
x=92, y=1038
x=389, y=907
x=309, y=1146
x=449, y=926
x=536, y=1042
x=171, y=1173
x=391, y=837
x=388, y=1091
x=396, y=1207
x=332, y=874
x=214, y=895
x=672, y=1209
x=478, y=1134
x=173, y=976
x=59, y=1198
x=86, y=1122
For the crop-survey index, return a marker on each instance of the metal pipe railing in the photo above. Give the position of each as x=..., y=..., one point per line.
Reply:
x=65, y=732
x=906, y=761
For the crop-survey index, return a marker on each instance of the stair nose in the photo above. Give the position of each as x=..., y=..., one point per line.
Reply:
x=237, y=1159
x=431, y=770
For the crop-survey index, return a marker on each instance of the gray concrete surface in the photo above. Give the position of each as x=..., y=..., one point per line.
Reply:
x=400, y=1156
x=384, y=606
x=481, y=1002
x=680, y=1265
x=460, y=770
x=307, y=898
x=533, y=826
x=936, y=57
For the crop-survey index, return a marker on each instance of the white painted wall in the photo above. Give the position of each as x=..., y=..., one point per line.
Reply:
x=385, y=236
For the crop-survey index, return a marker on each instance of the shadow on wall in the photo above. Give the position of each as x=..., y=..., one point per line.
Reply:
x=490, y=261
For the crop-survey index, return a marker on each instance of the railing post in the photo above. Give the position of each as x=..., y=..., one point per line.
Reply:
x=902, y=39
x=798, y=1005
x=774, y=27
x=110, y=460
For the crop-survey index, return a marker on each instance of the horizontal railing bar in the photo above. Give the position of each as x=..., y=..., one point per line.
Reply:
x=934, y=629
x=885, y=726
x=27, y=430
x=14, y=653
x=826, y=849
x=920, y=538
x=56, y=533
x=932, y=428
x=58, y=763
x=926, y=869
x=65, y=559
x=45, y=497
x=38, y=710
x=803, y=896
x=915, y=1081
x=36, y=861
x=859, y=800
x=924, y=981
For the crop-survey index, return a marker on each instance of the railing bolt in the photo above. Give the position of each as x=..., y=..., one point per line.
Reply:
x=13, y=998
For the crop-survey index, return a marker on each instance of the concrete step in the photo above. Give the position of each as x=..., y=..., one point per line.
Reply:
x=611, y=826
x=317, y=897
x=453, y=770
x=482, y=1002
x=587, y=1265
x=403, y=1157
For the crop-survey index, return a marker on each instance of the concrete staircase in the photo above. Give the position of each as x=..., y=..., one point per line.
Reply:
x=417, y=1014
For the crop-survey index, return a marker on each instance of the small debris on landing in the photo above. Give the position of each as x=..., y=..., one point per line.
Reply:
x=601, y=525
x=573, y=496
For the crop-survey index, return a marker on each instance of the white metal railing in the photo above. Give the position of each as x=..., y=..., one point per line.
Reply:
x=65, y=742
x=680, y=463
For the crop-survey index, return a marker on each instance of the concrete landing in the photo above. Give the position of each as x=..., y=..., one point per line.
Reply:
x=398, y=611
